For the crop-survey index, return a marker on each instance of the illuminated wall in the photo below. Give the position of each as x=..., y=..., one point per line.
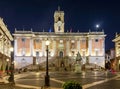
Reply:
x=23, y=46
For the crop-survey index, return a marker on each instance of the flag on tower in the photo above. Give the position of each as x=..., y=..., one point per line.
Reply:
x=71, y=30
x=50, y=30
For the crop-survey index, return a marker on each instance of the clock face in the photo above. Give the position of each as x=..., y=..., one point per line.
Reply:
x=59, y=23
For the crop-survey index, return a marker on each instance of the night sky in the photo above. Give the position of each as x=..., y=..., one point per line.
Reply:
x=80, y=15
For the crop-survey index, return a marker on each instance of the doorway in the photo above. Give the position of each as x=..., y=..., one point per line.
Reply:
x=61, y=54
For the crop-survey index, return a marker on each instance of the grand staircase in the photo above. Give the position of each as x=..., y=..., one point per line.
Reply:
x=37, y=67
x=54, y=64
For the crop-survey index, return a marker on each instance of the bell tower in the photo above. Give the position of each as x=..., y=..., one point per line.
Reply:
x=59, y=21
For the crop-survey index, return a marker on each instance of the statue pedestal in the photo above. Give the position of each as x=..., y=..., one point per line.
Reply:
x=78, y=63
x=78, y=68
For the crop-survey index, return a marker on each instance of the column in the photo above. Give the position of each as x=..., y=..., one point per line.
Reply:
x=15, y=47
x=43, y=48
x=67, y=48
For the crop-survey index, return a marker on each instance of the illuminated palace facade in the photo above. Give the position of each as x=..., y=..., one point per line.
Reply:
x=30, y=46
x=5, y=45
x=116, y=40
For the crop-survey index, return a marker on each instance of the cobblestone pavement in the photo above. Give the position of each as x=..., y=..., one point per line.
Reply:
x=93, y=80
x=113, y=84
x=11, y=86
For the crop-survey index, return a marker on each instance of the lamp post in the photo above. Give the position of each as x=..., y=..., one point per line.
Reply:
x=11, y=78
x=47, y=79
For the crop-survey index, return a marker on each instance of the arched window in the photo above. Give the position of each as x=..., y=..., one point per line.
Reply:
x=61, y=54
x=59, y=19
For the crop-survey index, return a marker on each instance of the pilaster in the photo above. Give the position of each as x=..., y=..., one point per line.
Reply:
x=78, y=45
x=103, y=47
x=31, y=46
x=15, y=47
x=54, y=47
x=89, y=46
x=43, y=48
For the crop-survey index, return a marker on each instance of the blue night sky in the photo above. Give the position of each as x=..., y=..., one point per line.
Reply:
x=80, y=15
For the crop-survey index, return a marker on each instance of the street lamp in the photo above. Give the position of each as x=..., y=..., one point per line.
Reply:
x=47, y=80
x=7, y=67
x=11, y=78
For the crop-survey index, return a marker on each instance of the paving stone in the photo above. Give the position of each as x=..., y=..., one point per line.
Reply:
x=11, y=86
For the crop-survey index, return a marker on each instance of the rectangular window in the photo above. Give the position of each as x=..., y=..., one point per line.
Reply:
x=96, y=40
x=23, y=39
x=37, y=40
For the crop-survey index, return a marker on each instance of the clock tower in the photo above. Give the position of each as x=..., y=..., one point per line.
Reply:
x=59, y=21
